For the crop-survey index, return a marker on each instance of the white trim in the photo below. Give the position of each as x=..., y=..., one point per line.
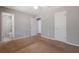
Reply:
x=47, y=37
x=9, y=14
x=21, y=37
x=39, y=26
x=16, y=38
x=59, y=40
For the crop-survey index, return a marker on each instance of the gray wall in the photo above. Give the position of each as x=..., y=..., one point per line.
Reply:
x=22, y=22
x=47, y=17
x=72, y=23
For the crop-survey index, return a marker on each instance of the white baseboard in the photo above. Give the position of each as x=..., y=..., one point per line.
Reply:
x=47, y=37
x=60, y=41
x=21, y=37
x=3, y=41
x=15, y=39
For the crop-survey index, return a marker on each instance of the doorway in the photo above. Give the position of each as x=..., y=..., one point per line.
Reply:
x=7, y=26
x=60, y=26
x=34, y=27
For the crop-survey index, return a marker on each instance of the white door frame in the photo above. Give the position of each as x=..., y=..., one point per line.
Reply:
x=39, y=26
x=13, y=28
x=61, y=28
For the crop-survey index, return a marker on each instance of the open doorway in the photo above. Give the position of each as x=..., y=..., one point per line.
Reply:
x=35, y=26
x=7, y=26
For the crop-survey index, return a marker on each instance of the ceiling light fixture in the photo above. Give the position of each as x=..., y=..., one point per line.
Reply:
x=36, y=7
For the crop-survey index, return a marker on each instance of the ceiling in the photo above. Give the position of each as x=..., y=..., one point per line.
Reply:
x=31, y=10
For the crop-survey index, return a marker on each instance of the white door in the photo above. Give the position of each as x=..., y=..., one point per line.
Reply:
x=7, y=26
x=34, y=27
x=60, y=26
